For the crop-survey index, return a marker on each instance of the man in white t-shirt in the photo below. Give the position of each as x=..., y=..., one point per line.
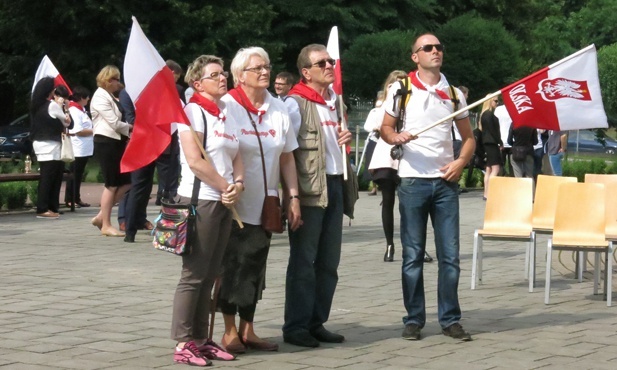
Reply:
x=429, y=175
x=316, y=245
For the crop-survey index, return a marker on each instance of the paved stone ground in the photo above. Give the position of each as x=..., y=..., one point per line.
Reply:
x=72, y=299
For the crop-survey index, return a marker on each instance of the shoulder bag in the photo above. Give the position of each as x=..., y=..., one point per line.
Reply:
x=271, y=212
x=174, y=229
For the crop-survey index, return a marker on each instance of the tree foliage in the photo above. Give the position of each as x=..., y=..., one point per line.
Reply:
x=607, y=65
x=82, y=36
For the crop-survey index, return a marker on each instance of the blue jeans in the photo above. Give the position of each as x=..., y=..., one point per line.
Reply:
x=315, y=252
x=418, y=199
x=555, y=160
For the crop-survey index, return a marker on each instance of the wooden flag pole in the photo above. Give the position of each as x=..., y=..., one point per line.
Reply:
x=235, y=214
x=490, y=96
x=343, y=127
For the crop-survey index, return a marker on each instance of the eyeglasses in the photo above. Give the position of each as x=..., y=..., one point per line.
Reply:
x=495, y=101
x=266, y=68
x=215, y=76
x=281, y=84
x=322, y=63
x=114, y=79
x=429, y=47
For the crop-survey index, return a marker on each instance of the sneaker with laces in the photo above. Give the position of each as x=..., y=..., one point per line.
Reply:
x=412, y=332
x=190, y=355
x=213, y=351
x=456, y=331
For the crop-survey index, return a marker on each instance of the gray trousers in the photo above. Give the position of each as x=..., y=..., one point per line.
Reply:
x=200, y=269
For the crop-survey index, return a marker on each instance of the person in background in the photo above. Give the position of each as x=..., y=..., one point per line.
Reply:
x=111, y=135
x=83, y=145
x=374, y=118
x=282, y=84
x=538, y=153
x=315, y=247
x=491, y=140
x=259, y=115
x=177, y=71
x=221, y=184
x=429, y=178
x=505, y=121
x=50, y=118
x=384, y=169
x=522, y=140
x=556, y=147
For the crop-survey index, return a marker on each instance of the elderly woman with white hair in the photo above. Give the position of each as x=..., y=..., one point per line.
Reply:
x=264, y=131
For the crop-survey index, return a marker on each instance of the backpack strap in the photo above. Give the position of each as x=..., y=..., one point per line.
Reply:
x=454, y=98
x=405, y=93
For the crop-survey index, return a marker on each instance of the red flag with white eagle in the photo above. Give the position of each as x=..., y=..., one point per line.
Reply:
x=151, y=86
x=563, y=96
x=47, y=69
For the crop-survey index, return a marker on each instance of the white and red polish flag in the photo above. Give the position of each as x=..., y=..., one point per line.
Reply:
x=563, y=96
x=335, y=54
x=151, y=86
x=47, y=69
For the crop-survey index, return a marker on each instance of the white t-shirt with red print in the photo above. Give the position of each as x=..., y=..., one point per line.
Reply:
x=277, y=137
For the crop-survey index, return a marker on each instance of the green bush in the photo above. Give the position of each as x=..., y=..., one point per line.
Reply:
x=476, y=181
x=14, y=194
x=32, y=187
x=579, y=168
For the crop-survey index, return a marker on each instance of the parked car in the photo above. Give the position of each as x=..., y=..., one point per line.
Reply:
x=585, y=141
x=15, y=138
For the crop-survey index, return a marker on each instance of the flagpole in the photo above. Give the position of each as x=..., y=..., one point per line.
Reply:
x=343, y=127
x=236, y=216
x=489, y=96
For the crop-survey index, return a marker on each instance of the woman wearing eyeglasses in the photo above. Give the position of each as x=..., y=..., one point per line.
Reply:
x=221, y=183
x=263, y=125
x=491, y=140
x=111, y=135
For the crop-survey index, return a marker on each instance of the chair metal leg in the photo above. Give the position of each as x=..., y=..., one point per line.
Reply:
x=580, y=262
x=480, y=258
x=609, y=275
x=532, y=262
x=596, y=272
x=527, y=254
x=549, y=258
x=474, y=260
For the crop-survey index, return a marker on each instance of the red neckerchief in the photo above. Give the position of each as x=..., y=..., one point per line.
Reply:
x=76, y=105
x=419, y=85
x=240, y=96
x=208, y=105
x=303, y=90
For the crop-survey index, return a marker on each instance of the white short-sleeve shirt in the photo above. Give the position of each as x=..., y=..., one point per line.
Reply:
x=221, y=146
x=277, y=137
x=83, y=146
x=432, y=149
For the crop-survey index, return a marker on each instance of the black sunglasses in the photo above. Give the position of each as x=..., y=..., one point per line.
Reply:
x=322, y=63
x=429, y=47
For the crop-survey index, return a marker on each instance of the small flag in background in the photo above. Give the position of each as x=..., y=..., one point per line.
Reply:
x=47, y=69
x=151, y=86
x=563, y=96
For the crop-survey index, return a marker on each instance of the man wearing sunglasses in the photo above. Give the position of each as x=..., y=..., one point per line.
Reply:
x=429, y=175
x=315, y=247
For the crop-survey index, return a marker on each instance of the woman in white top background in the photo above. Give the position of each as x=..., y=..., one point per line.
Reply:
x=83, y=145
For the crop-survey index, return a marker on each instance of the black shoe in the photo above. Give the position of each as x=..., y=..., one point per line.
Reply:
x=324, y=335
x=411, y=332
x=128, y=238
x=427, y=257
x=456, y=331
x=389, y=255
x=301, y=338
x=157, y=201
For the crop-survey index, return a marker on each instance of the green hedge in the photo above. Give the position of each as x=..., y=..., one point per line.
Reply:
x=578, y=168
x=13, y=194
